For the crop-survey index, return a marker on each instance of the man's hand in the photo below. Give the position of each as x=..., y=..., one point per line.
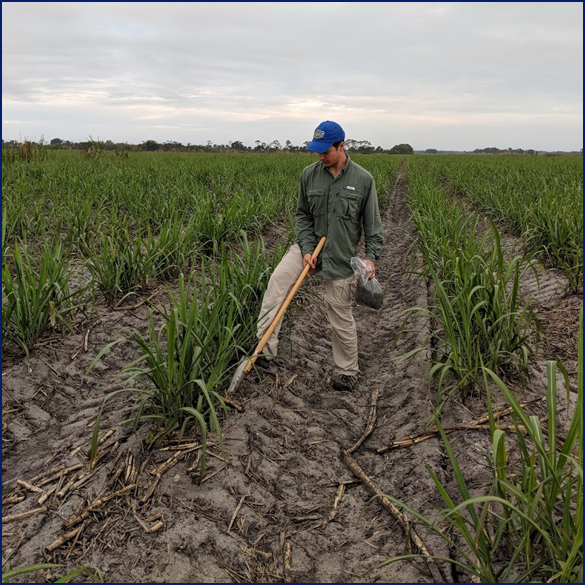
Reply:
x=371, y=267
x=308, y=259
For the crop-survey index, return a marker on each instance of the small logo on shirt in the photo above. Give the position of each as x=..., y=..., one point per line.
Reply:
x=350, y=188
x=318, y=134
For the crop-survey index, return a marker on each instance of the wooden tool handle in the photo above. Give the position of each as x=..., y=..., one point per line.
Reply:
x=283, y=307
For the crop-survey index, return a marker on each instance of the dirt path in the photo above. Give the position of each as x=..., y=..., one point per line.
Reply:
x=279, y=503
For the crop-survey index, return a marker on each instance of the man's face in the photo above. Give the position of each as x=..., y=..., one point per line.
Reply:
x=332, y=156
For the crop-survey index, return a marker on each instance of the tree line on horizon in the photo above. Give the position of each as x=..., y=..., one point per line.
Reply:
x=353, y=146
x=356, y=146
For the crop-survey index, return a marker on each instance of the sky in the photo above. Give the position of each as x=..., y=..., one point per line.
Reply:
x=451, y=76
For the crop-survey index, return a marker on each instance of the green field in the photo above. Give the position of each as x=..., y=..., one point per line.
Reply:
x=102, y=231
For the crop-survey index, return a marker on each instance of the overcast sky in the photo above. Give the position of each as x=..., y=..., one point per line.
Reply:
x=431, y=74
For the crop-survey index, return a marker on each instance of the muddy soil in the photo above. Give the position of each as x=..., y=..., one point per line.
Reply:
x=279, y=503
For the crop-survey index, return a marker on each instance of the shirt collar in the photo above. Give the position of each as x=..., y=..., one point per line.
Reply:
x=347, y=163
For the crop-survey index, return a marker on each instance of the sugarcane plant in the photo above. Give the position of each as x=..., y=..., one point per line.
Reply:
x=528, y=527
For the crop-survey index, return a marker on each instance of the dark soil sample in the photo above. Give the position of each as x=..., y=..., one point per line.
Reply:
x=365, y=295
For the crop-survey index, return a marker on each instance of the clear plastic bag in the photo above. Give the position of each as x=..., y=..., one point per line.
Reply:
x=368, y=291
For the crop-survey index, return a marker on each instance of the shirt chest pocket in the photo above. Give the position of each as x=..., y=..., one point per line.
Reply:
x=317, y=201
x=349, y=204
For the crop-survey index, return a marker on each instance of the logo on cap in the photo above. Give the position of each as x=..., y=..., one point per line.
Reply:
x=318, y=134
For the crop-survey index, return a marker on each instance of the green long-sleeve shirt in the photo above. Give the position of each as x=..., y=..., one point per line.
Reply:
x=339, y=209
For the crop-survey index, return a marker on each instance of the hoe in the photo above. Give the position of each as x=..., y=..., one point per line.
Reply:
x=246, y=366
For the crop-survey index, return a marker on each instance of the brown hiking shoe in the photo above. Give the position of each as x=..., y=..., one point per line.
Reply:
x=343, y=382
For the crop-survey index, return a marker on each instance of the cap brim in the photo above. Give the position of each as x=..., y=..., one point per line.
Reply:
x=319, y=146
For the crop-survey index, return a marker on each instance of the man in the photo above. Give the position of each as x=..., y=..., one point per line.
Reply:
x=337, y=199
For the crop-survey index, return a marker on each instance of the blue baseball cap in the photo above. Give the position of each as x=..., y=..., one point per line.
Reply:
x=326, y=134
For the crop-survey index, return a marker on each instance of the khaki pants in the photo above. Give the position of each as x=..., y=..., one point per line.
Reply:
x=338, y=299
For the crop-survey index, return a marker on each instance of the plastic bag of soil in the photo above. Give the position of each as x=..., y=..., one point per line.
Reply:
x=368, y=291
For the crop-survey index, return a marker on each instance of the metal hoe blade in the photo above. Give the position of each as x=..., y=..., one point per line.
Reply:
x=237, y=377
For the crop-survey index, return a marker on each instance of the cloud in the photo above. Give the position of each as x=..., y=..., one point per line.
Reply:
x=178, y=71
